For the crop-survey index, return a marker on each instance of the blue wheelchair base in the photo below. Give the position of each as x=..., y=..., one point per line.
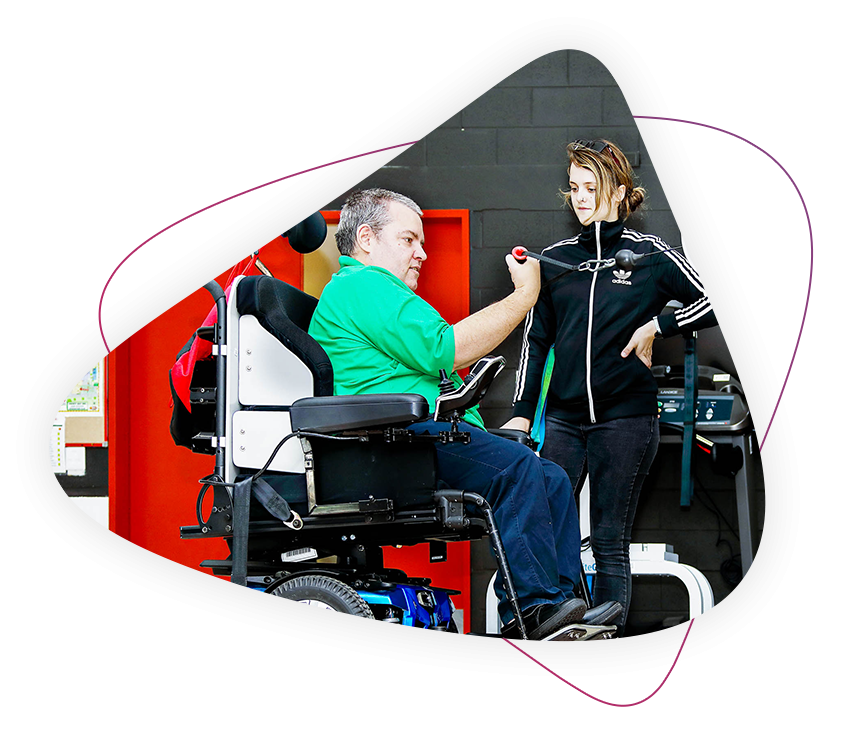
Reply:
x=412, y=605
x=407, y=604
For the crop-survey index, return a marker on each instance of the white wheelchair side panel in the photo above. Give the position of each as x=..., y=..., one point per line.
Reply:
x=269, y=374
x=255, y=435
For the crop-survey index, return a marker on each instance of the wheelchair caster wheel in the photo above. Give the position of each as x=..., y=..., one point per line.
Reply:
x=324, y=592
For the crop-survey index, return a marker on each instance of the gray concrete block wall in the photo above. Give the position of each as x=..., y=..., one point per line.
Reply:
x=503, y=158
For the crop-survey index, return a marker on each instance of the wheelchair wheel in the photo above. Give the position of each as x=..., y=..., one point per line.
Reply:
x=324, y=592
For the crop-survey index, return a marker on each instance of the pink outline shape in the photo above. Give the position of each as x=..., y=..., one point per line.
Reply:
x=213, y=205
x=778, y=401
x=811, y=250
x=597, y=699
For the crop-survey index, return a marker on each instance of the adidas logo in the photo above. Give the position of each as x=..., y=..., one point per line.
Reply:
x=622, y=277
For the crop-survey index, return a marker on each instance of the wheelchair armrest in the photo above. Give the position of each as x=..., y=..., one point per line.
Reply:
x=514, y=435
x=329, y=414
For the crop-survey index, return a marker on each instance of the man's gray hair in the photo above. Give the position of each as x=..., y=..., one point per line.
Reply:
x=367, y=207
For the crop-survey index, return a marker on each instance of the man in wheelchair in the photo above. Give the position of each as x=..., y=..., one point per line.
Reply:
x=383, y=338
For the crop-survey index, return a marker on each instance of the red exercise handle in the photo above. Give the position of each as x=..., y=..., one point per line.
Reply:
x=519, y=253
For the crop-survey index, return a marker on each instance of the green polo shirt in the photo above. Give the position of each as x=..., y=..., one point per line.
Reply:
x=382, y=337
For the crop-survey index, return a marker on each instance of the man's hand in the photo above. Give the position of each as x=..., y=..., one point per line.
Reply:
x=518, y=423
x=480, y=333
x=525, y=276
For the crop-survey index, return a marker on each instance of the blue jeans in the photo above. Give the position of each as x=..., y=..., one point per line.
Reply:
x=534, y=510
x=617, y=455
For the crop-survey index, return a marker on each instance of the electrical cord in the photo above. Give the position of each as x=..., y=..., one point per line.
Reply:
x=289, y=436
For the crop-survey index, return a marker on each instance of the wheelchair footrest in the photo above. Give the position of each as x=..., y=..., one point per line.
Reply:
x=582, y=632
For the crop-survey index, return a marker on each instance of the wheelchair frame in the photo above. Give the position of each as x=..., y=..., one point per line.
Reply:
x=352, y=530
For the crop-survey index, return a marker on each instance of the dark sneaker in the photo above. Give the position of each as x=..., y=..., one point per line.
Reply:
x=603, y=614
x=546, y=618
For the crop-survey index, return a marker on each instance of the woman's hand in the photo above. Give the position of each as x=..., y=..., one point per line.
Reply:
x=641, y=342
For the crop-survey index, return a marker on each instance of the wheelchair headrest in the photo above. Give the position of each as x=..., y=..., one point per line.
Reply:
x=285, y=312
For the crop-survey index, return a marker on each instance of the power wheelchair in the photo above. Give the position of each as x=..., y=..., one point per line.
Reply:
x=307, y=486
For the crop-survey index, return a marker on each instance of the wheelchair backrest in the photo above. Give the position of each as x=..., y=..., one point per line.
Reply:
x=273, y=313
x=271, y=362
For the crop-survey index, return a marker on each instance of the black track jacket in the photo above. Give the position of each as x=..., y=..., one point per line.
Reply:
x=590, y=316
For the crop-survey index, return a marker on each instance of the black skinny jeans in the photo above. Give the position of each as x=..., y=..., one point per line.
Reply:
x=617, y=455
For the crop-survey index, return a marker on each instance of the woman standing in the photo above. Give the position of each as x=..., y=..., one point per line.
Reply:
x=595, y=394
